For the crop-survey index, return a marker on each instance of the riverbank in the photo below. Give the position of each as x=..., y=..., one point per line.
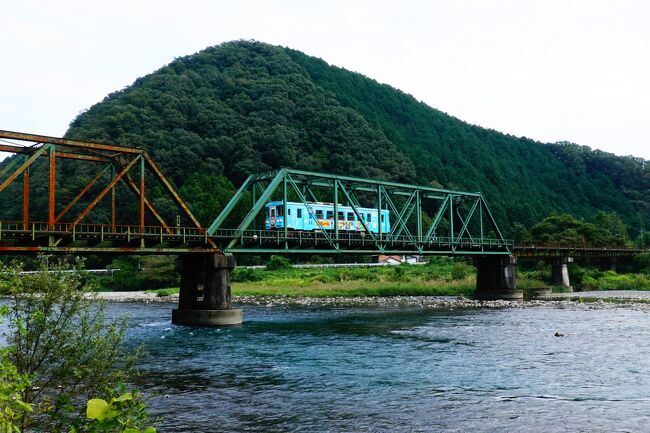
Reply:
x=590, y=300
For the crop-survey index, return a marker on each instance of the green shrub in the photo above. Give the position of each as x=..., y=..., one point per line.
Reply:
x=278, y=262
x=63, y=344
x=240, y=275
x=460, y=271
x=398, y=273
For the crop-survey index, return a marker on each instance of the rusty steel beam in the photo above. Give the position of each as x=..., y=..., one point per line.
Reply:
x=141, y=195
x=131, y=184
x=79, y=156
x=81, y=193
x=10, y=166
x=26, y=199
x=105, y=250
x=52, y=186
x=113, y=201
x=66, y=142
x=105, y=191
x=21, y=149
x=22, y=168
x=179, y=201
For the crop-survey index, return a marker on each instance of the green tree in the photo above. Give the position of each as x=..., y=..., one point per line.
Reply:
x=63, y=343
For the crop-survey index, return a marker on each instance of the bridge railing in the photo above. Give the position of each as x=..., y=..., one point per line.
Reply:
x=268, y=238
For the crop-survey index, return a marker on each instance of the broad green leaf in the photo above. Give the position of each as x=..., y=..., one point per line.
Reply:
x=124, y=397
x=149, y=430
x=96, y=409
x=24, y=406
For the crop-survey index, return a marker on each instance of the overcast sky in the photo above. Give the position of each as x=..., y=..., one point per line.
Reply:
x=549, y=70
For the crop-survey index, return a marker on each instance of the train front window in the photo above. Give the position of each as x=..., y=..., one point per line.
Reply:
x=280, y=210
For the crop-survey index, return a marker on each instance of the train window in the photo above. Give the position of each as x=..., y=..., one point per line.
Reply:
x=382, y=217
x=299, y=213
x=289, y=211
x=330, y=215
x=350, y=216
x=368, y=218
x=319, y=214
x=341, y=216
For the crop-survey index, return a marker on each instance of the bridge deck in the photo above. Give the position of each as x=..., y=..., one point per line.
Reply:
x=584, y=251
x=18, y=237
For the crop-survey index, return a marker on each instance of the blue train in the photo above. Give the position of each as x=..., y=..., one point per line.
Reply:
x=300, y=218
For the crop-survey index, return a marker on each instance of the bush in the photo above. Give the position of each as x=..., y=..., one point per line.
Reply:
x=240, y=275
x=398, y=273
x=278, y=262
x=62, y=343
x=460, y=271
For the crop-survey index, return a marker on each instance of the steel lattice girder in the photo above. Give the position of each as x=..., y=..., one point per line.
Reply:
x=117, y=163
x=464, y=217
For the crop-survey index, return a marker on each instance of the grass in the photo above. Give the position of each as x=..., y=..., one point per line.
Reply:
x=443, y=277
x=356, y=288
x=164, y=292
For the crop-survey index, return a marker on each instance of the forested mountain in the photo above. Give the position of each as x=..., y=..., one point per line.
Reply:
x=212, y=118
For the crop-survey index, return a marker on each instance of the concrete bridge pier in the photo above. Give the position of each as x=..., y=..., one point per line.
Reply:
x=560, y=272
x=204, y=298
x=495, y=278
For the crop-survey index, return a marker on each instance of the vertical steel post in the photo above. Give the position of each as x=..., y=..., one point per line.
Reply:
x=418, y=209
x=26, y=198
x=284, y=210
x=113, y=201
x=336, y=212
x=480, y=215
x=141, y=195
x=451, y=218
x=141, y=202
x=254, y=195
x=52, y=186
x=379, y=210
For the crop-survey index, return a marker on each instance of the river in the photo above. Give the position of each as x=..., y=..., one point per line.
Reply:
x=398, y=369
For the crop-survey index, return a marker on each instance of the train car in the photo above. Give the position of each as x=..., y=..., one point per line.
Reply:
x=315, y=214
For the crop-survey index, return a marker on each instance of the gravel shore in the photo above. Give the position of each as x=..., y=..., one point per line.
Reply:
x=583, y=300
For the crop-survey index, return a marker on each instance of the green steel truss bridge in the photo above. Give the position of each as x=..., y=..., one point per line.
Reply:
x=423, y=220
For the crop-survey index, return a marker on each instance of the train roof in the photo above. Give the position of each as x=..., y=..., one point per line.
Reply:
x=320, y=203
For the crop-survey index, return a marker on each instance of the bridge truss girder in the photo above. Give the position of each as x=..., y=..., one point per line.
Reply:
x=67, y=228
x=424, y=220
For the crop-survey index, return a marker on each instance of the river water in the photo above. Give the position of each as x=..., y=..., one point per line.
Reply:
x=399, y=369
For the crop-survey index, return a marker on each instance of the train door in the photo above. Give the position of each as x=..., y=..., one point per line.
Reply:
x=272, y=216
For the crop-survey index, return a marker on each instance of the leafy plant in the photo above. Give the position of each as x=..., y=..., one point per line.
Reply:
x=278, y=262
x=62, y=342
x=12, y=386
x=122, y=414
